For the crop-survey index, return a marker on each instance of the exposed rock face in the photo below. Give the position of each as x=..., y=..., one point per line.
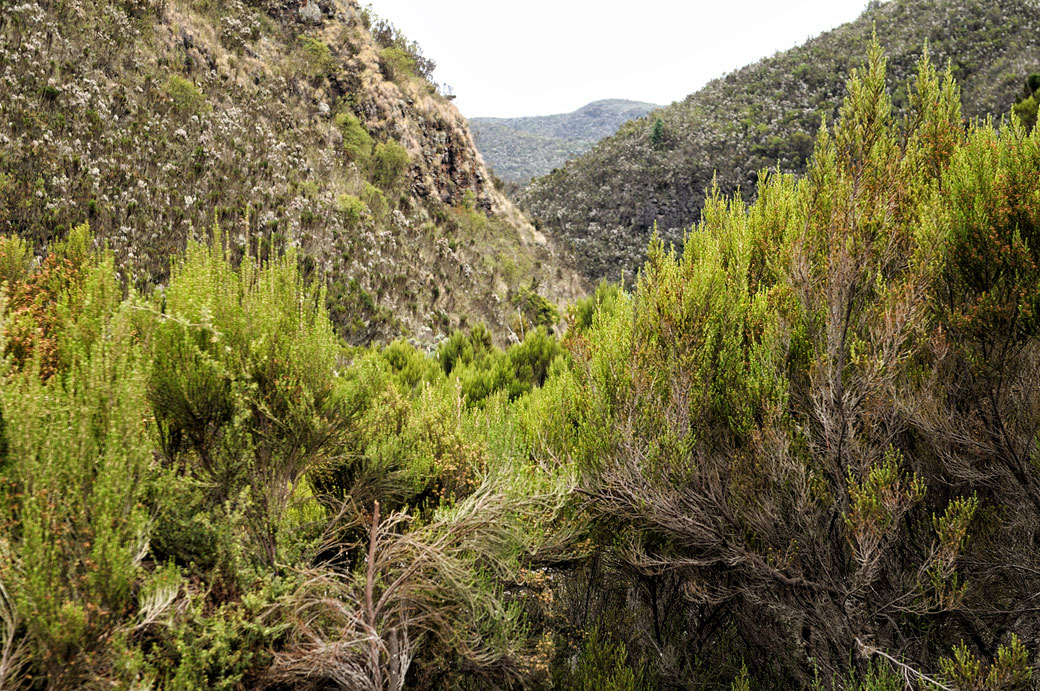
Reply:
x=310, y=12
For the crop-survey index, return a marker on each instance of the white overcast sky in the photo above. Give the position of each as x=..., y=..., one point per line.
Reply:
x=538, y=57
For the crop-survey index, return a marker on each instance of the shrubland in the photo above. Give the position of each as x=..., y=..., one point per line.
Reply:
x=800, y=453
x=604, y=205
x=312, y=126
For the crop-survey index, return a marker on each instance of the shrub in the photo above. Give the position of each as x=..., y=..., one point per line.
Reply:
x=351, y=208
x=603, y=664
x=16, y=260
x=397, y=64
x=184, y=94
x=318, y=55
x=535, y=310
x=78, y=526
x=357, y=143
x=389, y=164
x=243, y=383
x=825, y=366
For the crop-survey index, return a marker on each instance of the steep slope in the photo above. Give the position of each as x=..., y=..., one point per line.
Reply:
x=605, y=204
x=288, y=123
x=518, y=149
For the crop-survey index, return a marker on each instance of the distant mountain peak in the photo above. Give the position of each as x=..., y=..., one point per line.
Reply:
x=520, y=148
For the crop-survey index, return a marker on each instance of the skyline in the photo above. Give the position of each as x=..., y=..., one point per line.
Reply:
x=542, y=68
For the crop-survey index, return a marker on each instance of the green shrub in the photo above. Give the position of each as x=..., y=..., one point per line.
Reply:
x=16, y=259
x=352, y=208
x=582, y=313
x=397, y=64
x=812, y=369
x=184, y=94
x=389, y=164
x=79, y=527
x=535, y=310
x=1026, y=110
x=243, y=383
x=357, y=142
x=603, y=664
x=374, y=199
x=318, y=55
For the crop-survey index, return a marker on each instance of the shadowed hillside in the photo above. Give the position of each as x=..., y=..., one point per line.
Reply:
x=310, y=124
x=518, y=149
x=656, y=171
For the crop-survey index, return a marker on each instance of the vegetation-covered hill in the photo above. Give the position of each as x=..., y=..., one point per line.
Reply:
x=656, y=171
x=290, y=123
x=518, y=149
x=801, y=454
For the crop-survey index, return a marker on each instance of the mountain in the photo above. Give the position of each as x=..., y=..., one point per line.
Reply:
x=605, y=204
x=518, y=149
x=306, y=123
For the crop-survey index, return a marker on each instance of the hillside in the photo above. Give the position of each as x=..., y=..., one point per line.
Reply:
x=518, y=149
x=800, y=454
x=289, y=124
x=605, y=204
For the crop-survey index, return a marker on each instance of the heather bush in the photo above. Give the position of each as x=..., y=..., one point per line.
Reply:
x=802, y=436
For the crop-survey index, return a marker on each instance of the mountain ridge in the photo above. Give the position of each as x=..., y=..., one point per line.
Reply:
x=605, y=204
x=287, y=123
x=520, y=148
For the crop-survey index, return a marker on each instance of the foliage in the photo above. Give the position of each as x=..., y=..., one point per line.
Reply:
x=535, y=310
x=389, y=164
x=800, y=452
x=229, y=481
x=605, y=203
x=603, y=664
x=1026, y=106
x=185, y=96
x=397, y=64
x=405, y=53
x=799, y=436
x=318, y=55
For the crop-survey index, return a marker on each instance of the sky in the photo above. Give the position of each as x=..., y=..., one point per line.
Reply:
x=508, y=58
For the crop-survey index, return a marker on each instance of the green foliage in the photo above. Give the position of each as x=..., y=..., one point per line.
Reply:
x=246, y=353
x=397, y=64
x=220, y=428
x=388, y=36
x=318, y=55
x=224, y=649
x=352, y=208
x=1009, y=671
x=16, y=260
x=185, y=96
x=389, y=164
x=805, y=440
x=1025, y=107
x=604, y=664
x=357, y=142
x=657, y=132
x=582, y=312
x=535, y=310
x=757, y=424
x=78, y=526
